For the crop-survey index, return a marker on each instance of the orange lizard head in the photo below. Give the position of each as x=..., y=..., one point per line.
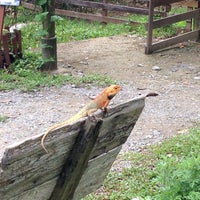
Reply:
x=112, y=90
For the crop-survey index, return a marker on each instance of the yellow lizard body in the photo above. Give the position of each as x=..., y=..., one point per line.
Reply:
x=100, y=102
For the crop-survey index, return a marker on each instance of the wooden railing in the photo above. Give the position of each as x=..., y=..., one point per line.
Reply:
x=192, y=15
x=153, y=24
x=104, y=7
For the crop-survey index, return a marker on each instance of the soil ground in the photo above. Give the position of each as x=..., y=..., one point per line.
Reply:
x=173, y=73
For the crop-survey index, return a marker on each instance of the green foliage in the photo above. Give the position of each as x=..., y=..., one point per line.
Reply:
x=179, y=178
x=41, y=2
x=3, y=118
x=41, y=17
x=25, y=75
x=169, y=171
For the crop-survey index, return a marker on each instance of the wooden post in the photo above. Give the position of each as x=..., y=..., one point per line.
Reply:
x=2, y=9
x=6, y=41
x=77, y=161
x=148, y=48
x=104, y=11
x=49, y=45
x=196, y=24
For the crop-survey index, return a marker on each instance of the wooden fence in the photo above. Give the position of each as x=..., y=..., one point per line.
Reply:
x=153, y=24
x=10, y=47
x=149, y=10
x=103, y=8
x=80, y=156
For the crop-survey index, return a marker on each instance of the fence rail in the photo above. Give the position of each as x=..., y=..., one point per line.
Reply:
x=153, y=24
x=150, y=10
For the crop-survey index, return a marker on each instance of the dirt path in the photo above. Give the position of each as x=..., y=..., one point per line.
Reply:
x=173, y=73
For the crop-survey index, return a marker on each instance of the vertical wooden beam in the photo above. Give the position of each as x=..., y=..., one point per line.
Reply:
x=104, y=11
x=148, y=48
x=189, y=21
x=19, y=42
x=1, y=57
x=2, y=10
x=196, y=24
x=77, y=162
x=6, y=42
x=197, y=20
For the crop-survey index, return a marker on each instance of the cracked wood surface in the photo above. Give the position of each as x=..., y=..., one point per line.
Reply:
x=27, y=172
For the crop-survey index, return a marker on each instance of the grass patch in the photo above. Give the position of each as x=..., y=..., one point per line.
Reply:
x=3, y=118
x=72, y=30
x=170, y=171
x=25, y=75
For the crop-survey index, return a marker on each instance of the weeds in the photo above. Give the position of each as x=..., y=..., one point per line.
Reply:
x=25, y=74
x=3, y=118
x=170, y=170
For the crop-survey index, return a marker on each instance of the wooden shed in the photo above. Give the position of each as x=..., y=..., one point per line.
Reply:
x=80, y=157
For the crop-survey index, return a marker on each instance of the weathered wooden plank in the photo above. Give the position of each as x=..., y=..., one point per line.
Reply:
x=175, y=18
x=164, y=2
x=2, y=10
x=117, y=126
x=193, y=35
x=90, y=17
x=108, y=6
x=77, y=161
x=27, y=171
x=36, y=167
x=150, y=28
x=95, y=173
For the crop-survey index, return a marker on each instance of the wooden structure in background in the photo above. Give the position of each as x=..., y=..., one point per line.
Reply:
x=192, y=17
x=10, y=43
x=10, y=47
x=80, y=157
x=153, y=24
x=104, y=6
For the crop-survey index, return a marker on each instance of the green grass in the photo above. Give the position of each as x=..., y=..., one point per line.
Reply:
x=3, y=118
x=170, y=170
x=25, y=75
x=73, y=30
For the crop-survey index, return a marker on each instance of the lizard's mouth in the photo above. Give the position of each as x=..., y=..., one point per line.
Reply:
x=111, y=96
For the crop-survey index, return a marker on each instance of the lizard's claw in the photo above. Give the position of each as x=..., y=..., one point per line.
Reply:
x=94, y=118
x=105, y=112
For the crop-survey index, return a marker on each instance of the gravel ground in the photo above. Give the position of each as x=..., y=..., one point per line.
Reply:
x=174, y=74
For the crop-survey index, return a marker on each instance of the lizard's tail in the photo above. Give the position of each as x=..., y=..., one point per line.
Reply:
x=56, y=126
x=42, y=141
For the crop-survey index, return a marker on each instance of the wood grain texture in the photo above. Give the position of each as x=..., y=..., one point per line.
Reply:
x=27, y=172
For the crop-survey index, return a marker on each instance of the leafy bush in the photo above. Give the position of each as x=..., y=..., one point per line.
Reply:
x=168, y=171
x=180, y=180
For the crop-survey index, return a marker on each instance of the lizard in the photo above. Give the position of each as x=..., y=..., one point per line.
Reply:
x=100, y=102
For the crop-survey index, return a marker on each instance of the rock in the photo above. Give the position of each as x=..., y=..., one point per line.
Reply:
x=140, y=65
x=197, y=78
x=156, y=68
x=84, y=62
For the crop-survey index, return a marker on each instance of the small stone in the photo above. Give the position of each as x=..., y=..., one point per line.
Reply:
x=84, y=62
x=197, y=78
x=67, y=66
x=140, y=65
x=156, y=68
